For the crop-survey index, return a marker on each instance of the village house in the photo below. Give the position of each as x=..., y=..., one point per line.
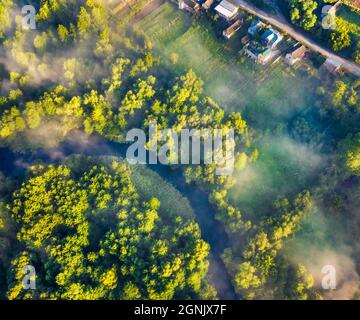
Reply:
x=257, y=52
x=232, y=29
x=226, y=10
x=271, y=38
x=295, y=55
x=245, y=39
x=263, y=41
x=267, y=36
x=331, y=66
x=189, y=5
x=207, y=4
x=255, y=27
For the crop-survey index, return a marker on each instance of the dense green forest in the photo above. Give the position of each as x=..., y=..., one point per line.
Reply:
x=96, y=238
x=91, y=226
x=93, y=237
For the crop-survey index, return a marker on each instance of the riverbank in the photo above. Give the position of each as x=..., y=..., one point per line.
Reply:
x=213, y=232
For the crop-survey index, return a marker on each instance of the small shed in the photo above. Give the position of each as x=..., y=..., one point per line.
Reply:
x=295, y=55
x=226, y=10
x=189, y=5
x=332, y=66
x=207, y=4
x=245, y=39
x=232, y=29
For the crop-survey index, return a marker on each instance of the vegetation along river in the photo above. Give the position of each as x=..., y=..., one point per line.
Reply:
x=213, y=232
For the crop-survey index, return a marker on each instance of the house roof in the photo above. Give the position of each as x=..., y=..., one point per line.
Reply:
x=355, y=3
x=255, y=22
x=234, y=27
x=332, y=65
x=207, y=4
x=332, y=62
x=298, y=53
x=267, y=34
x=191, y=3
x=274, y=39
x=245, y=39
x=255, y=26
x=226, y=8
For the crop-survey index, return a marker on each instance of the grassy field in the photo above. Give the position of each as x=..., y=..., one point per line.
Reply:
x=284, y=167
x=352, y=19
x=149, y=185
x=349, y=14
x=265, y=95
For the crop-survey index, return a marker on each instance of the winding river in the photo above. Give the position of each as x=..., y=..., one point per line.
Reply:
x=213, y=232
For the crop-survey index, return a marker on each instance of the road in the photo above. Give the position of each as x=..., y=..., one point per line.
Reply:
x=285, y=26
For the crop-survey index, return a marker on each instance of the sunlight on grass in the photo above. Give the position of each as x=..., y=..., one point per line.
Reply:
x=281, y=160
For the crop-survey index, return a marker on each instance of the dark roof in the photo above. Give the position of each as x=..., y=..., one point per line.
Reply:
x=257, y=48
x=266, y=34
x=191, y=3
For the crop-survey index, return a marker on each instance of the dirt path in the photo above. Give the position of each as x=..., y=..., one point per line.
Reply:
x=281, y=23
x=147, y=10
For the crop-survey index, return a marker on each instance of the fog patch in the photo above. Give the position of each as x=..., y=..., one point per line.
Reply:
x=322, y=242
x=21, y=163
x=347, y=278
x=47, y=135
x=49, y=66
x=284, y=168
x=83, y=143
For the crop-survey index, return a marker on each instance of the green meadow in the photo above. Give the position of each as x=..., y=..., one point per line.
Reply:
x=265, y=95
x=351, y=19
x=284, y=167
